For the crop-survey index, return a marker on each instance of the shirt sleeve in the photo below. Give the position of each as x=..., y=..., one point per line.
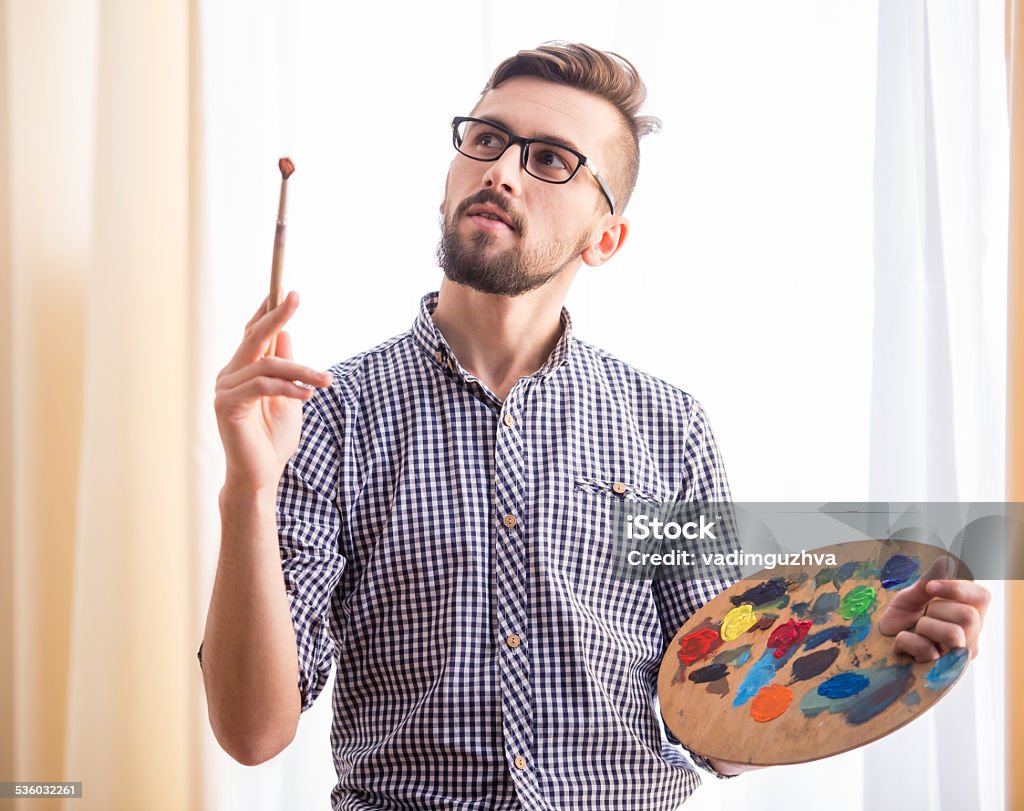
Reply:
x=682, y=596
x=309, y=527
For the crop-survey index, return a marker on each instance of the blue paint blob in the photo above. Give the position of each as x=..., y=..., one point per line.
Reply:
x=947, y=669
x=912, y=699
x=843, y=686
x=844, y=573
x=897, y=570
x=887, y=686
x=834, y=634
x=760, y=674
x=823, y=577
x=799, y=608
x=824, y=606
x=734, y=656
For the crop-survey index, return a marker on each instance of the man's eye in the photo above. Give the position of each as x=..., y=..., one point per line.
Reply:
x=551, y=161
x=489, y=140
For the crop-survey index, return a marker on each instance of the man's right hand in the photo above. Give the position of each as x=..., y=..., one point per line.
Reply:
x=258, y=402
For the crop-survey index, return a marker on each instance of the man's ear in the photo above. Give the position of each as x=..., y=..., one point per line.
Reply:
x=608, y=242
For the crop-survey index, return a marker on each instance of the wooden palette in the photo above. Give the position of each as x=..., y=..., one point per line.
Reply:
x=789, y=666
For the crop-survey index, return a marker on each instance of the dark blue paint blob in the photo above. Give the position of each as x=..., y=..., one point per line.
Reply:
x=814, y=664
x=763, y=593
x=834, y=634
x=947, y=669
x=897, y=570
x=823, y=577
x=843, y=686
x=709, y=673
x=799, y=608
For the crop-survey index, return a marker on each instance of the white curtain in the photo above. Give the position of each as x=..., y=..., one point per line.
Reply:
x=817, y=255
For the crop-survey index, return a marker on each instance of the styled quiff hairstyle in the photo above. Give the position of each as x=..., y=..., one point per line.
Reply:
x=604, y=74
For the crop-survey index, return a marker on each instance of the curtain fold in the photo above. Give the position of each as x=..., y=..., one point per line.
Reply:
x=1015, y=398
x=97, y=185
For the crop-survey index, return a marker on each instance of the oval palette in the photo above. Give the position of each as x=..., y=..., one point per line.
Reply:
x=789, y=666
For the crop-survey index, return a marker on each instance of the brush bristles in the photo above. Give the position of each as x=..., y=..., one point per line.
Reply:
x=286, y=166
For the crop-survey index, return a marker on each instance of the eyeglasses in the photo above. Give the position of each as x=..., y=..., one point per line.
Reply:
x=545, y=160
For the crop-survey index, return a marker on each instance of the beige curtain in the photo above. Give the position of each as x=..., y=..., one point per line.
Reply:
x=1015, y=397
x=99, y=685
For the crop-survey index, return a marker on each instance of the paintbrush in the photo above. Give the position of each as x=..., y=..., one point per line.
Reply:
x=277, y=267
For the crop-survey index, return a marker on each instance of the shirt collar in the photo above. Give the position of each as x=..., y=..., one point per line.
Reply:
x=429, y=339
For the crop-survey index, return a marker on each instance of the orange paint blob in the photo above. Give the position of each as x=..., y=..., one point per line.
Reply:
x=770, y=702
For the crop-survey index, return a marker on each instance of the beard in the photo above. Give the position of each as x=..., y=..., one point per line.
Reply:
x=511, y=272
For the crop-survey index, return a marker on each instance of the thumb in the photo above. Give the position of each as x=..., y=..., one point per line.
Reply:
x=906, y=608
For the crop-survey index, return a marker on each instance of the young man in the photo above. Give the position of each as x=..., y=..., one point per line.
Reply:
x=440, y=505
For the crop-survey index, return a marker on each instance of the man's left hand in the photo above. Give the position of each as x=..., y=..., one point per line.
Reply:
x=935, y=615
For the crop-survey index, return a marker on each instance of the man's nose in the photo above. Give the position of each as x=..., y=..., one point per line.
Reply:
x=506, y=173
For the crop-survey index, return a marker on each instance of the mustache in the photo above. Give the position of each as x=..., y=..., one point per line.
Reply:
x=495, y=199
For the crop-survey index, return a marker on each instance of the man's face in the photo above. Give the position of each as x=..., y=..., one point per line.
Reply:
x=545, y=226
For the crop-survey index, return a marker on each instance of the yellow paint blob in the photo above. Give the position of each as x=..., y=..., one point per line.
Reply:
x=738, y=621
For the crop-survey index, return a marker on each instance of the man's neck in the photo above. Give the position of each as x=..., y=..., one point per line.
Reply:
x=499, y=339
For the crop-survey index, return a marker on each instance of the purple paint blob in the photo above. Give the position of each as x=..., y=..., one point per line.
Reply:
x=898, y=570
x=814, y=664
x=843, y=685
x=709, y=673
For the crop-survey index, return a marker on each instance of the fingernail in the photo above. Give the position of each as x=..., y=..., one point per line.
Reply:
x=933, y=587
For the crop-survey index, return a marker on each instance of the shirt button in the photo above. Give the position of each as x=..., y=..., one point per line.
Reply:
x=509, y=420
x=438, y=356
x=619, y=488
x=520, y=762
x=509, y=521
x=513, y=640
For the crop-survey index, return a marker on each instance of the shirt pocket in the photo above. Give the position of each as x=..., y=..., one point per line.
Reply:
x=623, y=489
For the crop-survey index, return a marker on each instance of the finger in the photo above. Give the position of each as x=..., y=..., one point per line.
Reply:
x=284, y=345
x=278, y=368
x=916, y=597
x=256, y=316
x=962, y=591
x=923, y=650
x=945, y=635
x=257, y=337
x=263, y=387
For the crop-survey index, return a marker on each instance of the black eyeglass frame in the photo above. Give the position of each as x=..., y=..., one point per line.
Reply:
x=524, y=151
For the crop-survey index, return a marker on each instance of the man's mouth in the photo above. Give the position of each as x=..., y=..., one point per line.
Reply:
x=489, y=217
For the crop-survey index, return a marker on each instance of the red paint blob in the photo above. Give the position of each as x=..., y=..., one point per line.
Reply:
x=788, y=635
x=698, y=644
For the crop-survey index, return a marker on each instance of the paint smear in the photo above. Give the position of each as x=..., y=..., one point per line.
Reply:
x=947, y=669
x=738, y=621
x=698, y=644
x=763, y=593
x=800, y=608
x=859, y=695
x=824, y=606
x=788, y=635
x=718, y=688
x=823, y=577
x=912, y=699
x=759, y=675
x=859, y=629
x=814, y=664
x=898, y=570
x=737, y=657
x=709, y=673
x=770, y=702
x=766, y=621
x=834, y=634
x=859, y=600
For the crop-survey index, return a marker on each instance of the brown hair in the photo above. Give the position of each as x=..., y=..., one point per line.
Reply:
x=603, y=73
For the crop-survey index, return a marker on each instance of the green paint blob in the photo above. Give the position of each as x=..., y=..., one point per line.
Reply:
x=859, y=600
